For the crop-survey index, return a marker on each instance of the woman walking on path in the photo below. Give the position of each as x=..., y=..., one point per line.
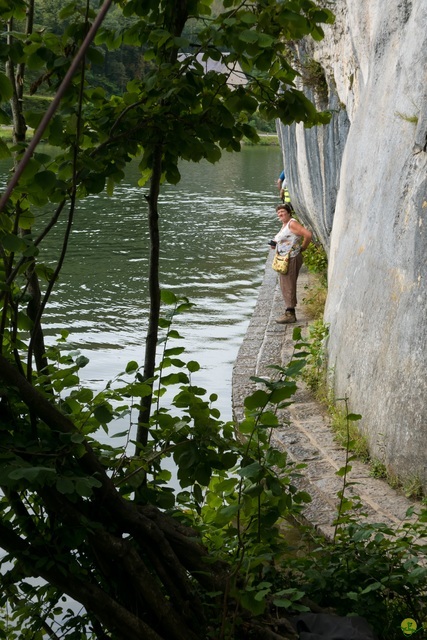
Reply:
x=292, y=238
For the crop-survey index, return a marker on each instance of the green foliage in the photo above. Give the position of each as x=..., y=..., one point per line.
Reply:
x=314, y=375
x=239, y=505
x=315, y=298
x=262, y=125
x=374, y=571
x=314, y=345
x=316, y=260
x=235, y=488
x=344, y=432
x=313, y=77
x=236, y=491
x=377, y=468
x=369, y=569
x=263, y=141
x=81, y=516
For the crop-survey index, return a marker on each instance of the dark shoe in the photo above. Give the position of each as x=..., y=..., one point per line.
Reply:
x=287, y=318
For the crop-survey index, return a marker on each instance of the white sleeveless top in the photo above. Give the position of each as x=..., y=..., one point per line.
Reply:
x=288, y=242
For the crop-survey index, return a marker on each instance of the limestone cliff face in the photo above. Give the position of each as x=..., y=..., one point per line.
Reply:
x=361, y=182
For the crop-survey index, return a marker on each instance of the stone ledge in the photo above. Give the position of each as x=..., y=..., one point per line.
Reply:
x=308, y=437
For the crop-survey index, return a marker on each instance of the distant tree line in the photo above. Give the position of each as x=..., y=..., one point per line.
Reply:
x=116, y=65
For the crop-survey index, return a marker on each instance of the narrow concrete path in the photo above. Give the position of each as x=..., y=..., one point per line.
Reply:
x=308, y=437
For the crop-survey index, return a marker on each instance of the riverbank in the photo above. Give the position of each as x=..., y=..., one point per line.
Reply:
x=266, y=139
x=308, y=438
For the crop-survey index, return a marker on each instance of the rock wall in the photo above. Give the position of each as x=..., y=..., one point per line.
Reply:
x=361, y=182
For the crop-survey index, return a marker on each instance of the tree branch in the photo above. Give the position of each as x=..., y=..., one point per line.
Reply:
x=55, y=103
x=108, y=610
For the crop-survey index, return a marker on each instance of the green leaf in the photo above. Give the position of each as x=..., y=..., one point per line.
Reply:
x=343, y=471
x=261, y=594
x=203, y=474
x=212, y=153
x=249, y=35
x=55, y=130
x=248, y=600
x=300, y=607
x=95, y=183
x=198, y=494
x=256, y=400
x=103, y=414
x=228, y=460
x=317, y=33
x=26, y=221
x=4, y=150
x=44, y=272
x=30, y=170
x=226, y=514
x=32, y=474
x=45, y=180
x=176, y=362
x=253, y=470
x=6, y=90
x=193, y=366
x=164, y=324
x=139, y=389
x=95, y=56
x=34, y=61
x=82, y=361
x=269, y=419
x=4, y=117
x=175, y=378
x=417, y=573
x=33, y=118
x=282, y=602
x=283, y=393
x=297, y=334
x=354, y=417
x=145, y=176
x=372, y=587
x=65, y=485
x=173, y=175
x=77, y=438
x=12, y=243
x=84, y=486
x=247, y=17
x=70, y=380
x=131, y=366
x=265, y=40
x=227, y=486
x=168, y=297
x=173, y=351
x=186, y=455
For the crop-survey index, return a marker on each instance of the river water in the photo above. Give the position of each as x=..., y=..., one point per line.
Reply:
x=214, y=224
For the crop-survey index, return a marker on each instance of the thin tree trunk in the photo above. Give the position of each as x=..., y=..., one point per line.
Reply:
x=154, y=289
x=175, y=22
x=16, y=77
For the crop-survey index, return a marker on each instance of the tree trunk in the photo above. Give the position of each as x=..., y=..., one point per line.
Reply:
x=175, y=23
x=144, y=564
x=154, y=290
x=16, y=78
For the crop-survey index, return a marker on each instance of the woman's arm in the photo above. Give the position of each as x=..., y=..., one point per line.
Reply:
x=299, y=230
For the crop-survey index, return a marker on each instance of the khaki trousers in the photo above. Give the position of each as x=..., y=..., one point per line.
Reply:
x=288, y=283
